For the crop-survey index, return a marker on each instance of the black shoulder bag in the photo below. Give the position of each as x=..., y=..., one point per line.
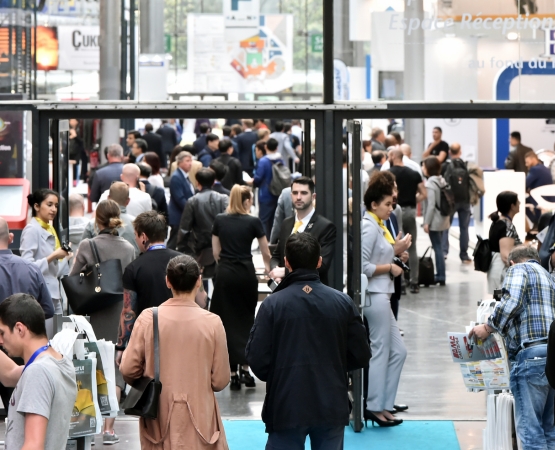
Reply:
x=96, y=287
x=144, y=396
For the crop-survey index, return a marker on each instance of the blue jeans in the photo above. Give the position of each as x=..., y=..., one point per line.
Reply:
x=464, y=213
x=534, y=399
x=321, y=438
x=435, y=237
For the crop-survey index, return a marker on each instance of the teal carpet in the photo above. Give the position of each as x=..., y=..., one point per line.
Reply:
x=413, y=435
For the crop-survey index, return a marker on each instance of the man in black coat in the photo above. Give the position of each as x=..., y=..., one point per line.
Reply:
x=234, y=173
x=156, y=193
x=245, y=141
x=308, y=221
x=200, y=142
x=154, y=143
x=169, y=140
x=305, y=339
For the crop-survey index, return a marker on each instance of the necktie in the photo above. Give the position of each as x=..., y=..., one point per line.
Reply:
x=296, y=227
x=386, y=232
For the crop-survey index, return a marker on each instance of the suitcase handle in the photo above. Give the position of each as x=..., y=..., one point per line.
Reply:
x=425, y=253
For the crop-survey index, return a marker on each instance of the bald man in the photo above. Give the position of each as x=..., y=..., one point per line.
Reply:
x=407, y=161
x=139, y=201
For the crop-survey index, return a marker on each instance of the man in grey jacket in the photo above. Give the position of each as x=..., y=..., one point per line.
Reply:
x=119, y=192
x=284, y=145
x=284, y=210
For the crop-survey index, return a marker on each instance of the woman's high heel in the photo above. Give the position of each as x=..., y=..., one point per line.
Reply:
x=369, y=415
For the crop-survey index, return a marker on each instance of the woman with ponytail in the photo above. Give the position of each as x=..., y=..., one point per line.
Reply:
x=502, y=237
x=110, y=246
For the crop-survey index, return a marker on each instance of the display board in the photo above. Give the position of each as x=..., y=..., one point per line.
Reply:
x=13, y=206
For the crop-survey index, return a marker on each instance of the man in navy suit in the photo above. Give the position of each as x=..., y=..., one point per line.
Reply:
x=181, y=190
x=104, y=177
x=200, y=143
x=245, y=141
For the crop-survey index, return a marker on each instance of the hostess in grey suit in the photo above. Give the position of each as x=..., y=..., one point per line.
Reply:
x=388, y=350
x=36, y=245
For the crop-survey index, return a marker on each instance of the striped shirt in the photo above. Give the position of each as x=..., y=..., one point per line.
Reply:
x=527, y=307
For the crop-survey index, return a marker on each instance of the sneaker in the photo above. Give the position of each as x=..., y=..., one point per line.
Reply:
x=247, y=379
x=414, y=289
x=110, y=438
x=235, y=383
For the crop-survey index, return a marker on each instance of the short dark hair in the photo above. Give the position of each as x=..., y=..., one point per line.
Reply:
x=377, y=156
x=25, y=309
x=272, y=144
x=433, y=166
x=226, y=130
x=302, y=251
x=516, y=135
x=183, y=272
x=152, y=224
x=141, y=143
x=206, y=177
x=287, y=127
x=379, y=187
x=306, y=181
x=145, y=169
x=204, y=128
x=153, y=160
x=212, y=137
x=134, y=133
x=224, y=145
x=438, y=129
x=148, y=127
x=279, y=126
x=261, y=145
x=219, y=168
x=39, y=196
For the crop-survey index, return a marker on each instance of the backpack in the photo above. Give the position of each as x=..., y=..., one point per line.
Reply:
x=482, y=255
x=281, y=178
x=458, y=178
x=446, y=201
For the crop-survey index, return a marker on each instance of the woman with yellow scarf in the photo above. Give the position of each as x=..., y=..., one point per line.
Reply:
x=388, y=349
x=40, y=244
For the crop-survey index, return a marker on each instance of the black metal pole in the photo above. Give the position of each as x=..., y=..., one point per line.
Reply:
x=307, y=148
x=328, y=52
x=123, y=63
x=132, y=49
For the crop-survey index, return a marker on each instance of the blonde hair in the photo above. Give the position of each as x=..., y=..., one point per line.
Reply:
x=108, y=215
x=237, y=197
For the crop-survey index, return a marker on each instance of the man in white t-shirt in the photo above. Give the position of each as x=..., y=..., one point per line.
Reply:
x=43, y=399
x=139, y=201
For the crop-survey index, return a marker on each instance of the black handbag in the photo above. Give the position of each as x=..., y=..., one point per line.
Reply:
x=482, y=255
x=426, y=272
x=96, y=287
x=144, y=396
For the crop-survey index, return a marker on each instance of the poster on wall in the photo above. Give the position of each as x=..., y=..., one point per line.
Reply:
x=11, y=144
x=495, y=7
x=241, y=59
x=79, y=47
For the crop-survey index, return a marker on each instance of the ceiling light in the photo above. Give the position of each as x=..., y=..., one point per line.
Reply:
x=512, y=36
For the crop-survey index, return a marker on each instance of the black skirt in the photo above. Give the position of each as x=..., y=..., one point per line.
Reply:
x=234, y=300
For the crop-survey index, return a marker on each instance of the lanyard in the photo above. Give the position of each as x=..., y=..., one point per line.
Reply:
x=156, y=247
x=37, y=353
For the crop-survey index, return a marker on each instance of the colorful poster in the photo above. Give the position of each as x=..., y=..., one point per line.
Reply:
x=241, y=59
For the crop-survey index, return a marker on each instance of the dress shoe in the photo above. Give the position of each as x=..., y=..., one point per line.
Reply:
x=440, y=282
x=400, y=408
x=369, y=415
x=414, y=289
x=246, y=378
x=235, y=383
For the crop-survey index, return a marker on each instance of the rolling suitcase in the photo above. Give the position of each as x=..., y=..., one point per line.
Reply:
x=426, y=271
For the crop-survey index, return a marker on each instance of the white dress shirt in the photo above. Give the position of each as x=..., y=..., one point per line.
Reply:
x=139, y=201
x=304, y=221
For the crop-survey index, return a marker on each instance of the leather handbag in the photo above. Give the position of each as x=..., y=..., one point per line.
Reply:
x=96, y=287
x=144, y=397
x=426, y=272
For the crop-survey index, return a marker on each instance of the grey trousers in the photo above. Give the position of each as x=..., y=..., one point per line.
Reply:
x=388, y=353
x=409, y=226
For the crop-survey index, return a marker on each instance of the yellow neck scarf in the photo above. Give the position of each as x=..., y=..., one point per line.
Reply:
x=386, y=232
x=51, y=230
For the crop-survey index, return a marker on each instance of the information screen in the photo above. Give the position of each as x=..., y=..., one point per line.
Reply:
x=12, y=198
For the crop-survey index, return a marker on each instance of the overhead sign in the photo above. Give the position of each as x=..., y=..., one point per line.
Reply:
x=241, y=13
x=79, y=8
x=79, y=48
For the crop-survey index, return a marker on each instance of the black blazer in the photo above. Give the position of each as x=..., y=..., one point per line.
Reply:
x=154, y=143
x=218, y=187
x=158, y=195
x=234, y=174
x=245, y=141
x=322, y=229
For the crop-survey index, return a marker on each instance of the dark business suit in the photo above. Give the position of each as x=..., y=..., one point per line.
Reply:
x=393, y=227
x=199, y=144
x=169, y=139
x=154, y=143
x=158, y=195
x=218, y=187
x=319, y=227
x=180, y=192
x=234, y=174
x=104, y=178
x=245, y=141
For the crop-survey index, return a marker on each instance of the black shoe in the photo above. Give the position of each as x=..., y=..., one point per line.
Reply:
x=235, y=384
x=369, y=415
x=441, y=283
x=403, y=290
x=400, y=408
x=246, y=378
x=414, y=289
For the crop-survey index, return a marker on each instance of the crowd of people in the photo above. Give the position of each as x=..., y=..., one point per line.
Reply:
x=181, y=220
